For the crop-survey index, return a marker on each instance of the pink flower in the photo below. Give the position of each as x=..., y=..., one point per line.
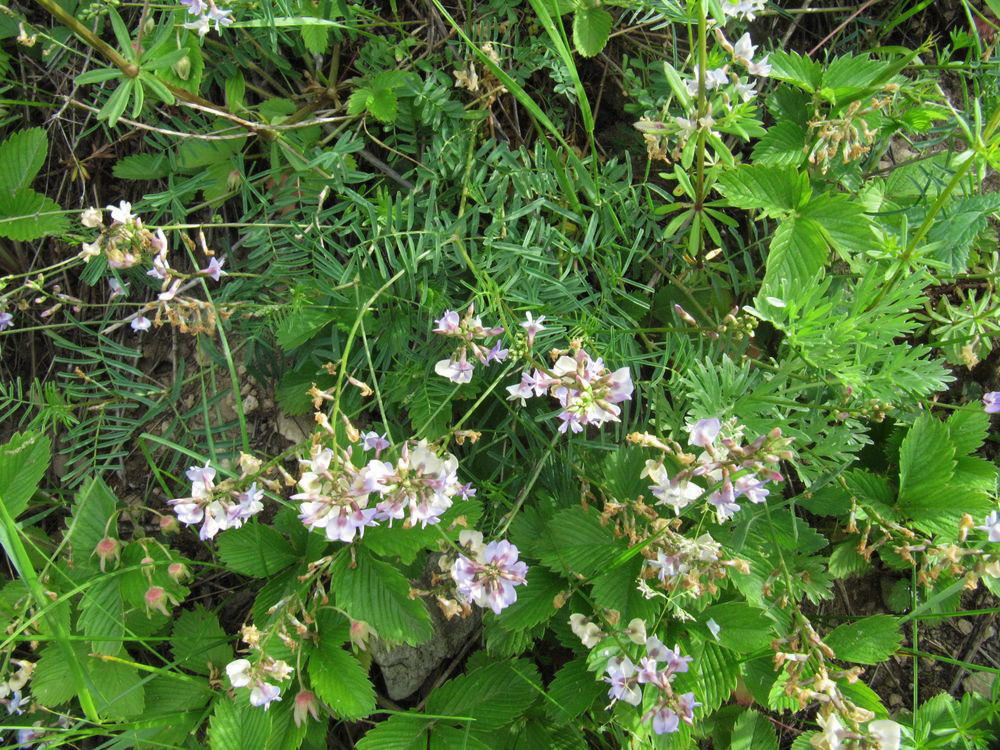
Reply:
x=141, y=323
x=372, y=440
x=448, y=323
x=263, y=694
x=305, y=705
x=459, y=371
x=532, y=327
x=214, y=269
x=622, y=676
x=489, y=580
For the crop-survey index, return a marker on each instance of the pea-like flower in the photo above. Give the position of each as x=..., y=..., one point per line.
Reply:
x=991, y=402
x=992, y=527
x=472, y=334
x=489, y=578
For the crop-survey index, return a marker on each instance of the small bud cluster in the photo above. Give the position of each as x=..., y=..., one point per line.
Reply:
x=12, y=689
x=125, y=243
x=850, y=135
x=585, y=388
x=683, y=565
x=218, y=506
x=489, y=576
x=206, y=15
x=335, y=493
x=733, y=470
x=655, y=669
x=469, y=330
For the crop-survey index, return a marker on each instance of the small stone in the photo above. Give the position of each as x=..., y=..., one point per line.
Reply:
x=964, y=626
x=979, y=682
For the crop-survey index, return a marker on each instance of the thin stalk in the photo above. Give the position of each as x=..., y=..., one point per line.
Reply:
x=699, y=179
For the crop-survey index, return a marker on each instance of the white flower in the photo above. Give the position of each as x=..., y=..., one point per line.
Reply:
x=263, y=694
x=744, y=48
x=714, y=628
x=91, y=218
x=887, y=732
x=90, y=250
x=141, y=323
x=237, y=673
x=202, y=25
x=762, y=68
x=121, y=214
x=456, y=371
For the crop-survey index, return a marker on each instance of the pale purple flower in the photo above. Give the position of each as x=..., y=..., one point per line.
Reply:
x=161, y=267
x=263, y=694
x=655, y=649
x=457, y=371
x=751, y=488
x=374, y=441
x=761, y=68
x=665, y=720
x=249, y=504
x=724, y=500
x=667, y=566
x=200, y=24
x=532, y=327
x=204, y=474
x=141, y=323
x=448, y=323
x=219, y=16
x=746, y=91
x=992, y=526
x=214, y=269
x=489, y=580
x=704, y=431
x=744, y=48
x=117, y=288
x=991, y=402
x=685, y=706
x=6, y=321
x=467, y=491
x=194, y=7
x=496, y=354
x=714, y=628
x=647, y=670
x=675, y=662
x=523, y=390
x=621, y=675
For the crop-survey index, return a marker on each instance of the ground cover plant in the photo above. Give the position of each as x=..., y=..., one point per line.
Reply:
x=523, y=375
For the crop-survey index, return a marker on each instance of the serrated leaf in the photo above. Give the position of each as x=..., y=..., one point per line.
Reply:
x=406, y=544
x=781, y=146
x=494, y=695
x=22, y=154
x=775, y=191
x=27, y=215
x=316, y=39
x=283, y=733
x=796, y=69
x=742, y=628
x=842, y=222
x=52, y=681
x=255, y=550
x=378, y=594
x=797, y=254
x=576, y=542
x=717, y=675
x=617, y=589
x=535, y=600
x=92, y=520
x=870, y=640
x=102, y=615
x=199, y=643
x=382, y=104
x=357, y=102
x=234, y=727
x=398, y=732
x=753, y=731
x=142, y=167
x=23, y=462
x=118, y=691
x=236, y=88
x=926, y=460
x=591, y=29
x=845, y=560
x=572, y=691
x=341, y=682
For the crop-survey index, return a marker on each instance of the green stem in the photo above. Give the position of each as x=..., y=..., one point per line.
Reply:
x=19, y=556
x=699, y=189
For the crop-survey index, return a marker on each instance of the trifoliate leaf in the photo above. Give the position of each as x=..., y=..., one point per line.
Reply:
x=781, y=146
x=870, y=640
x=382, y=104
x=776, y=191
x=341, y=682
x=591, y=29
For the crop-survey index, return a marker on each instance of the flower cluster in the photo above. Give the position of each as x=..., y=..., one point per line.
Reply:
x=470, y=331
x=991, y=400
x=207, y=14
x=262, y=693
x=743, y=9
x=685, y=565
x=335, y=493
x=733, y=470
x=125, y=242
x=585, y=388
x=11, y=689
x=219, y=506
x=884, y=734
x=488, y=578
x=655, y=669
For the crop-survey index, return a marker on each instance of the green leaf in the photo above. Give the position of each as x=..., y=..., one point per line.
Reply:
x=118, y=691
x=27, y=215
x=591, y=29
x=842, y=222
x=142, y=167
x=102, y=615
x=116, y=103
x=199, y=643
x=797, y=254
x=845, y=560
x=398, y=732
x=406, y=544
x=236, y=88
x=357, y=102
x=776, y=191
x=753, y=731
x=616, y=589
x=316, y=39
x=781, y=146
x=93, y=519
x=155, y=85
x=717, y=674
x=121, y=33
x=233, y=727
x=742, y=628
x=576, y=542
x=21, y=156
x=23, y=462
x=926, y=460
x=52, y=681
x=378, y=594
x=796, y=69
x=98, y=75
x=572, y=691
x=341, y=682
x=494, y=695
x=382, y=104
x=870, y=640
x=535, y=600
x=255, y=550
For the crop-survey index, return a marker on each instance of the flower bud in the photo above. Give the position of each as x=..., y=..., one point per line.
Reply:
x=179, y=572
x=169, y=525
x=156, y=598
x=305, y=704
x=107, y=549
x=182, y=68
